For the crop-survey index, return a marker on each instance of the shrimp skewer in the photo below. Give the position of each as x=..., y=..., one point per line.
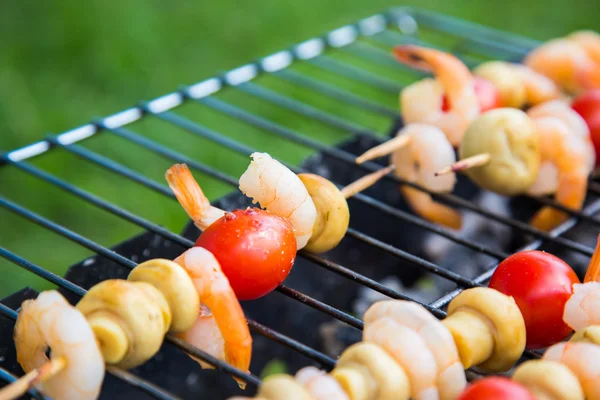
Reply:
x=321, y=385
x=422, y=102
x=76, y=366
x=216, y=294
x=583, y=359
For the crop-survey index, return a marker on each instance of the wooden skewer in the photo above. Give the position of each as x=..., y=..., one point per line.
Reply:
x=469, y=162
x=26, y=382
x=384, y=149
x=366, y=181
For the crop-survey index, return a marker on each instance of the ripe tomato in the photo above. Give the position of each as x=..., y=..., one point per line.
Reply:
x=256, y=250
x=486, y=92
x=588, y=106
x=541, y=284
x=496, y=388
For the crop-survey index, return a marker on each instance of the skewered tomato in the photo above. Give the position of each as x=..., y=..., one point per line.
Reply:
x=496, y=388
x=588, y=106
x=541, y=284
x=486, y=92
x=256, y=250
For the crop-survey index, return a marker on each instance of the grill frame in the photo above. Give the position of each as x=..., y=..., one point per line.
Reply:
x=240, y=79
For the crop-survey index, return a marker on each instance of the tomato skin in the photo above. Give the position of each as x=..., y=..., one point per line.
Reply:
x=541, y=284
x=256, y=250
x=486, y=92
x=496, y=388
x=588, y=106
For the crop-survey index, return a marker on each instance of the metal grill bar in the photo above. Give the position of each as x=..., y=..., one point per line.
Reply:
x=377, y=30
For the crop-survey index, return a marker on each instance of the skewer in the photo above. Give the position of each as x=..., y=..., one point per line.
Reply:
x=469, y=162
x=33, y=378
x=366, y=181
x=384, y=148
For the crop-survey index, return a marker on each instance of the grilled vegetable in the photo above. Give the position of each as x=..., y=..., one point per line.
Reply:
x=496, y=388
x=549, y=380
x=506, y=80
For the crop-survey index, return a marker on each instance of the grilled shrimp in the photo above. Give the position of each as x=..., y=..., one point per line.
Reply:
x=583, y=308
x=451, y=380
x=205, y=335
x=422, y=101
x=567, y=63
x=410, y=351
x=538, y=88
x=190, y=196
x=427, y=151
x=279, y=190
x=569, y=153
x=590, y=41
x=583, y=359
x=51, y=322
x=216, y=294
x=320, y=385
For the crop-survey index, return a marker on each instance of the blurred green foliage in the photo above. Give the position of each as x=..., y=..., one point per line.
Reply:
x=65, y=62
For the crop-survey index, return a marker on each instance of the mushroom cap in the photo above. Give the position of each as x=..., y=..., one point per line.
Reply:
x=137, y=308
x=550, y=379
x=505, y=320
x=510, y=137
x=391, y=380
x=282, y=387
x=506, y=80
x=589, y=334
x=333, y=214
x=176, y=286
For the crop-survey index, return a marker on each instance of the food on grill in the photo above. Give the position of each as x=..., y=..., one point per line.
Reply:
x=487, y=95
x=255, y=248
x=366, y=371
x=129, y=320
x=418, y=151
x=225, y=312
x=279, y=190
x=282, y=387
x=510, y=139
x=496, y=388
x=51, y=322
x=333, y=215
x=488, y=329
x=588, y=106
x=422, y=101
x=582, y=309
x=451, y=379
x=583, y=359
x=571, y=61
x=518, y=84
x=320, y=385
x=549, y=380
x=175, y=285
x=567, y=160
x=541, y=284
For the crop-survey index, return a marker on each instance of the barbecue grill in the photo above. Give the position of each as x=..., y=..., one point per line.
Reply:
x=309, y=318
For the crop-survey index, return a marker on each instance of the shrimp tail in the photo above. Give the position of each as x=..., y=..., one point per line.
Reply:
x=188, y=192
x=411, y=56
x=588, y=77
x=422, y=204
x=593, y=270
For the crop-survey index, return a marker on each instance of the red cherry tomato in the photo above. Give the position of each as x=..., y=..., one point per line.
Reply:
x=486, y=92
x=588, y=106
x=496, y=388
x=256, y=250
x=541, y=284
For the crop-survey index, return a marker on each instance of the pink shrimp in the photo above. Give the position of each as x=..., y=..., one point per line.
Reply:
x=583, y=359
x=320, y=385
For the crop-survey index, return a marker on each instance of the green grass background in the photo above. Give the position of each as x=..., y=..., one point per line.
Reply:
x=64, y=62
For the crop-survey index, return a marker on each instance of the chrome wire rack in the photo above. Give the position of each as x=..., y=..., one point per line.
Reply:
x=337, y=72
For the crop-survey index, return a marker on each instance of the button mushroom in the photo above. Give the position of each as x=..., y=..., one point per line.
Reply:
x=333, y=215
x=282, y=387
x=512, y=142
x=549, y=380
x=506, y=80
x=176, y=286
x=590, y=334
x=129, y=320
x=366, y=372
x=488, y=329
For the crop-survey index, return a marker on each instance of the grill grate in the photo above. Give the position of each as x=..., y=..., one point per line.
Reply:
x=365, y=41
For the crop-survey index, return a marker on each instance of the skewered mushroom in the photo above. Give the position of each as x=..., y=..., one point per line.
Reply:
x=129, y=320
x=176, y=286
x=282, y=387
x=365, y=371
x=506, y=80
x=549, y=380
x=488, y=329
